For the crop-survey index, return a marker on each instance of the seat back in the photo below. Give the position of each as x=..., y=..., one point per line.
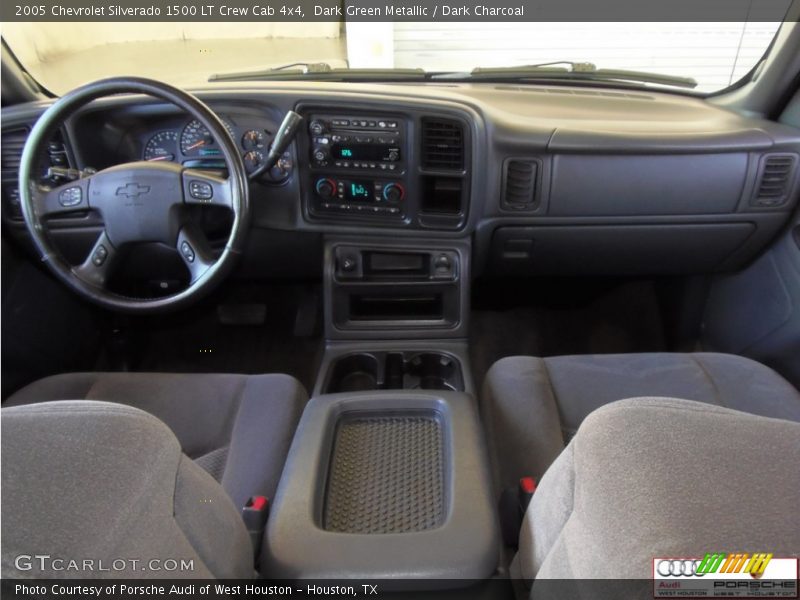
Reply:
x=661, y=477
x=103, y=490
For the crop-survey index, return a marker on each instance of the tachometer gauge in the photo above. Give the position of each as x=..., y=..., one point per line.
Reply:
x=162, y=146
x=196, y=140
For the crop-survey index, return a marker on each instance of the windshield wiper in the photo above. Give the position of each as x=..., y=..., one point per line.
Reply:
x=321, y=72
x=572, y=71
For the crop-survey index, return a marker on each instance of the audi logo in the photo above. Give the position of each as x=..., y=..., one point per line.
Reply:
x=679, y=568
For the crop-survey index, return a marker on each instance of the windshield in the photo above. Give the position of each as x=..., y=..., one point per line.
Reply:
x=63, y=55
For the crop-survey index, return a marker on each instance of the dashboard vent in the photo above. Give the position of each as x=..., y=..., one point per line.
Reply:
x=775, y=180
x=519, y=184
x=442, y=144
x=11, y=145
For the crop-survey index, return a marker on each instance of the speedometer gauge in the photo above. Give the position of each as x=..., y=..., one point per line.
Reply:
x=162, y=146
x=196, y=140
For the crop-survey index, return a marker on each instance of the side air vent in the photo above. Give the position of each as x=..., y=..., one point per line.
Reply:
x=442, y=144
x=11, y=144
x=775, y=180
x=519, y=184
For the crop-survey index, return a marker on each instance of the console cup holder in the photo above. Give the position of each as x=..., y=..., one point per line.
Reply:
x=431, y=371
x=354, y=373
x=364, y=371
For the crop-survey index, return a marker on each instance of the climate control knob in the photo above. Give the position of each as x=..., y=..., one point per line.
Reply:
x=393, y=192
x=326, y=188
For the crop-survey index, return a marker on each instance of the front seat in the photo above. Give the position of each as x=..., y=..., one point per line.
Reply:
x=648, y=478
x=532, y=406
x=236, y=427
x=95, y=489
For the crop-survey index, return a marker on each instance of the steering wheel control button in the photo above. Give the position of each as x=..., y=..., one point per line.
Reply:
x=72, y=196
x=100, y=255
x=200, y=190
x=187, y=251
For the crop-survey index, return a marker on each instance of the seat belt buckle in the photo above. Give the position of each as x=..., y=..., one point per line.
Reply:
x=527, y=486
x=254, y=514
x=514, y=503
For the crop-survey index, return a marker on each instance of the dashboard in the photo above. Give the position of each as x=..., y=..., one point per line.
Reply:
x=541, y=180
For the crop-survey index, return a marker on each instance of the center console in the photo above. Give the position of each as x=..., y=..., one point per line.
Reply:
x=388, y=473
x=385, y=485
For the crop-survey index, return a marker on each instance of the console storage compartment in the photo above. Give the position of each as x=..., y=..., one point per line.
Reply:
x=385, y=485
x=413, y=289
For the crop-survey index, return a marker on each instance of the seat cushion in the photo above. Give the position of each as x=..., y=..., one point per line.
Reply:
x=532, y=406
x=662, y=477
x=237, y=427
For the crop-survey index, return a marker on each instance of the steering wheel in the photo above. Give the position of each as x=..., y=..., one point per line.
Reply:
x=140, y=202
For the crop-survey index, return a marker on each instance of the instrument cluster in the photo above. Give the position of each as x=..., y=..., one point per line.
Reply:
x=193, y=146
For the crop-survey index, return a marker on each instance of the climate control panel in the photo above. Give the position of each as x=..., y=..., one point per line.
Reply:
x=360, y=196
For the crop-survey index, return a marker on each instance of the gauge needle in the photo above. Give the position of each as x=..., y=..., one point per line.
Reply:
x=165, y=157
x=196, y=144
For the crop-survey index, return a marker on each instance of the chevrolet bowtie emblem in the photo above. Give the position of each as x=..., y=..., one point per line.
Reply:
x=133, y=190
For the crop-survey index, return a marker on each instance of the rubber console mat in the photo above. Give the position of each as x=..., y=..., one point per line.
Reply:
x=386, y=475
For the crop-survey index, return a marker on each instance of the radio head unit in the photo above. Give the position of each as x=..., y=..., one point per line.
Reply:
x=357, y=143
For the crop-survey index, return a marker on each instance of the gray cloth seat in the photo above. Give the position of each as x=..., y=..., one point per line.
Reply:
x=94, y=489
x=237, y=427
x=532, y=406
x=660, y=477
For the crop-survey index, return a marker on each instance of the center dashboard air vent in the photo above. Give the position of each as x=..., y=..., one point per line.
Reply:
x=775, y=179
x=519, y=184
x=442, y=144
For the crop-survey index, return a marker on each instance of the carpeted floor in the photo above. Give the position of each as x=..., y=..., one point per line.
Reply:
x=198, y=341
x=281, y=327
x=559, y=317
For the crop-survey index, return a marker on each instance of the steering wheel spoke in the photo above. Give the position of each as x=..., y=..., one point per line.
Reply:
x=195, y=251
x=68, y=198
x=205, y=187
x=99, y=264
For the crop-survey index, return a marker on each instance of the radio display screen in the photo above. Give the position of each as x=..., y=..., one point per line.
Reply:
x=358, y=190
x=359, y=152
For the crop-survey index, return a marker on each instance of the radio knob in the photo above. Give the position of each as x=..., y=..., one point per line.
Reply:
x=317, y=127
x=320, y=155
x=393, y=192
x=326, y=188
x=393, y=155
